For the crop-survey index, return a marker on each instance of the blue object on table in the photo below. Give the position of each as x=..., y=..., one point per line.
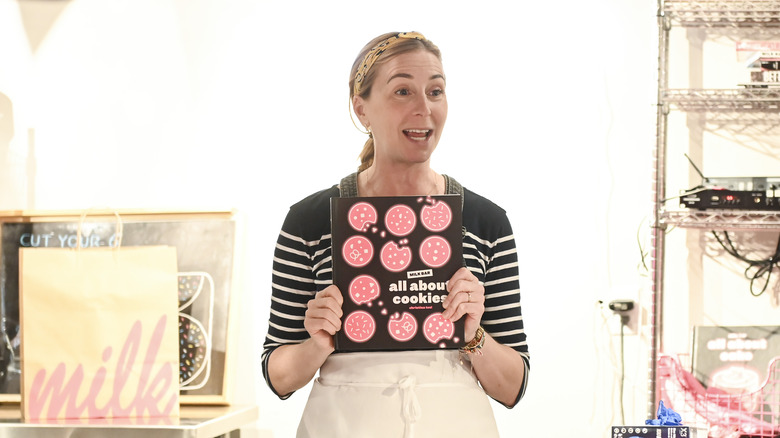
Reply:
x=666, y=417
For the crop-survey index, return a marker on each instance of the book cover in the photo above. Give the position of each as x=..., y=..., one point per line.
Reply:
x=392, y=259
x=734, y=359
x=747, y=49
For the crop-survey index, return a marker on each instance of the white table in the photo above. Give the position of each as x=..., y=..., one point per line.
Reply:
x=193, y=422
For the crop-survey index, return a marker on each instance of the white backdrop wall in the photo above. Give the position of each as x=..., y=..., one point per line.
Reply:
x=243, y=104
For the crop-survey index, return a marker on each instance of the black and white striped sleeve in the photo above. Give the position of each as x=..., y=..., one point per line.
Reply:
x=491, y=254
x=301, y=267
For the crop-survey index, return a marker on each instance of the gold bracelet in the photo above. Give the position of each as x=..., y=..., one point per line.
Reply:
x=476, y=344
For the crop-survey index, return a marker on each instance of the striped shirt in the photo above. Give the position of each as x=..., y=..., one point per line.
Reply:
x=302, y=267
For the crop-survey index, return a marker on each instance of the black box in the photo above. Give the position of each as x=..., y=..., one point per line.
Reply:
x=734, y=358
x=654, y=432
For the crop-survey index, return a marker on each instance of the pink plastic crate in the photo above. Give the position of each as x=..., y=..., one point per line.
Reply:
x=754, y=414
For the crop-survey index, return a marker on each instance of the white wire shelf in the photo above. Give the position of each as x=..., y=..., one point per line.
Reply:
x=723, y=13
x=721, y=219
x=723, y=100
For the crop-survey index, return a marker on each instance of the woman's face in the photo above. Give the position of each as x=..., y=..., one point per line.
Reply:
x=407, y=108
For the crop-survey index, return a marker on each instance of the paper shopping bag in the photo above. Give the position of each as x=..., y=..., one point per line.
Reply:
x=99, y=332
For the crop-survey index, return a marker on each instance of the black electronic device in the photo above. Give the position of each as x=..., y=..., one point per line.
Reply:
x=655, y=432
x=707, y=199
x=621, y=305
x=733, y=193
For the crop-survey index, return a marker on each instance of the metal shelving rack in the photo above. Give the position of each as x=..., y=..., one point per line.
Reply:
x=729, y=100
x=721, y=219
x=764, y=103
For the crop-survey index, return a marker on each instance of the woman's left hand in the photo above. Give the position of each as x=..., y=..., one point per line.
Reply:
x=466, y=296
x=499, y=369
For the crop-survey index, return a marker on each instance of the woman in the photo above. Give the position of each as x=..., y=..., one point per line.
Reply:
x=397, y=90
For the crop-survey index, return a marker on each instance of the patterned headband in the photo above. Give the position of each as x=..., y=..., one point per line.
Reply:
x=376, y=51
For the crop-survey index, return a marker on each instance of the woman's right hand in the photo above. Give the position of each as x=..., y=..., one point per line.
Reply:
x=323, y=316
x=292, y=366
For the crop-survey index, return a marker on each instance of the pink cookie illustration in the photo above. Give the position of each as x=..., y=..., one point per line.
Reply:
x=402, y=327
x=400, y=220
x=394, y=258
x=359, y=326
x=363, y=289
x=362, y=215
x=358, y=251
x=436, y=217
x=436, y=328
x=435, y=251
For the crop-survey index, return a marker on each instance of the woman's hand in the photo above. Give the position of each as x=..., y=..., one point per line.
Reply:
x=500, y=369
x=466, y=297
x=323, y=316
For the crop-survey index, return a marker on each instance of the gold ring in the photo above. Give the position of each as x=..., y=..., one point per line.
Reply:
x=469, y=297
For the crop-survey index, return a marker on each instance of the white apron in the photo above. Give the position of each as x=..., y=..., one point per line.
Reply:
x=424, y=394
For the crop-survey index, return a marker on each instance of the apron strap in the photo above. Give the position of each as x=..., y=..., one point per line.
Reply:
x=410, y=405
x=348, y=187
